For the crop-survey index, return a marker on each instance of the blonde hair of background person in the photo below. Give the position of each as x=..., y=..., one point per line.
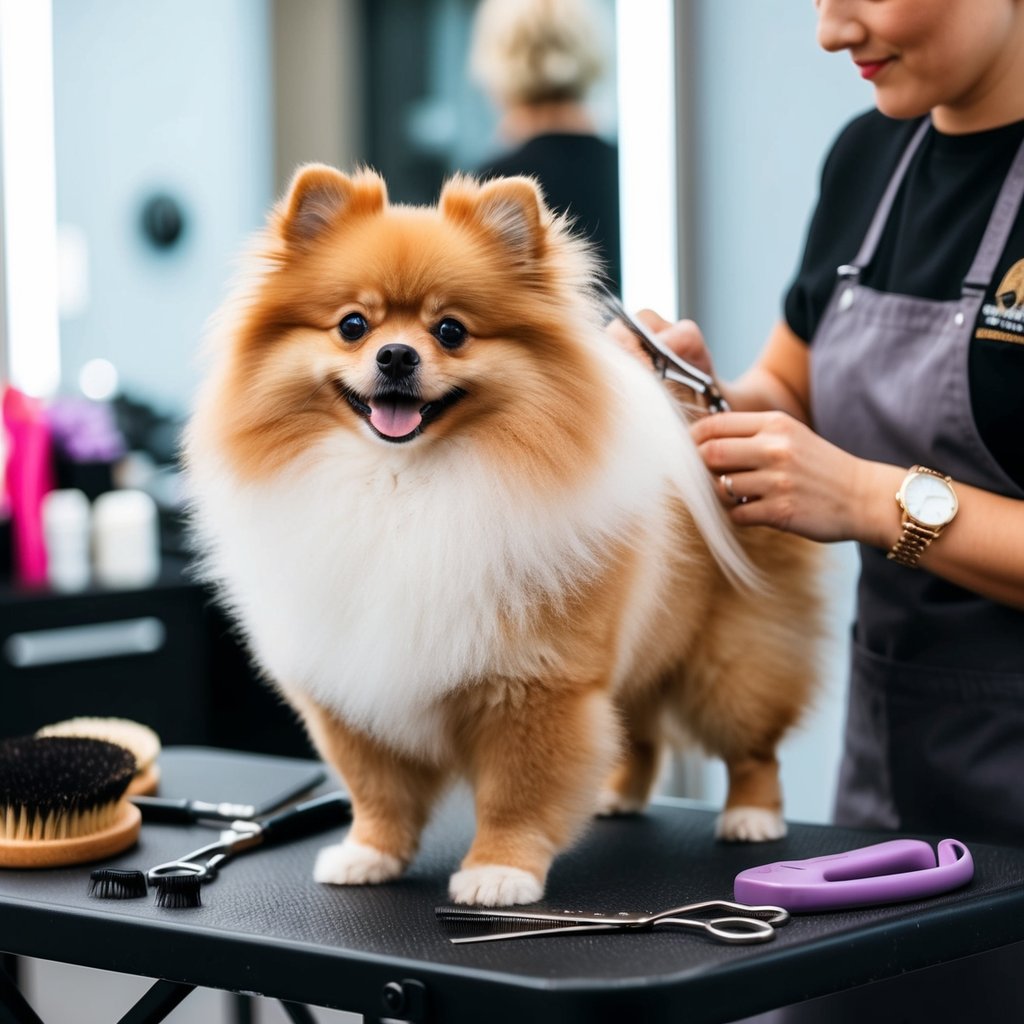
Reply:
x=536, y=51
x=537, y=61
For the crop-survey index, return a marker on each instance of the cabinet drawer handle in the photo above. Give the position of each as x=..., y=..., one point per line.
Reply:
x=85, y=643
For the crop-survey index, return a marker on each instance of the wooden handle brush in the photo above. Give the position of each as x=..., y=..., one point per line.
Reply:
x=62, y=801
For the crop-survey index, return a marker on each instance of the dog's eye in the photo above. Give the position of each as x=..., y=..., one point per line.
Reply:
x=450, y=332
x=353, y=326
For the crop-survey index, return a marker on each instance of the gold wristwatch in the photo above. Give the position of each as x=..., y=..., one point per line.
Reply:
x=928, y=504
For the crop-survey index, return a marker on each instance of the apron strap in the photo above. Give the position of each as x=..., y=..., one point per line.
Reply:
x=1004, y=216
x=872, y=238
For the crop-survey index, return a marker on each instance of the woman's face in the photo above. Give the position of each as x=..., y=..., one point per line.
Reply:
x=961, y=59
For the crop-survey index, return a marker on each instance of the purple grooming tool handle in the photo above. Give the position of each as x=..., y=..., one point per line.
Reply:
x=892, y=872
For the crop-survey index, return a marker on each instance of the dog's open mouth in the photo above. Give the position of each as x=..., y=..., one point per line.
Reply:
x=396, y=415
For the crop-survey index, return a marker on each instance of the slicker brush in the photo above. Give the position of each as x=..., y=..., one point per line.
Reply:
x=62, y=801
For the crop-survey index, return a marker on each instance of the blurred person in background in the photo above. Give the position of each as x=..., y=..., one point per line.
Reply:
x=537, y=60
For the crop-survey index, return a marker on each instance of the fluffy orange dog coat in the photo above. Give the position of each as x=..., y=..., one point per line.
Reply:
x=467, y=535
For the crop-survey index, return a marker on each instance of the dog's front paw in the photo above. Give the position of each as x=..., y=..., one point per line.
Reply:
x=352, y=863
x=749, y=825
x=610, y=804
x=495, y=885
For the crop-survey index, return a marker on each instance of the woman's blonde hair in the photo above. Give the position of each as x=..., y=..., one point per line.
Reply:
x=536, y=51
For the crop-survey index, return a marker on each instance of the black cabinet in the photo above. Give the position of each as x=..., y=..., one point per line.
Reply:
x=163, y=655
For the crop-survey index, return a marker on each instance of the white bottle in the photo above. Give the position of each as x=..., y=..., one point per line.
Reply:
x=125, y=539
x=66, y=535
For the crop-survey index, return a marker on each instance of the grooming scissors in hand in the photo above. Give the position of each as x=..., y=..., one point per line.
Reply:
x=668, y=365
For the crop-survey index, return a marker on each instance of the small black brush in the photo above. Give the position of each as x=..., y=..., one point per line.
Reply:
x=117, y=884
x=179, y=892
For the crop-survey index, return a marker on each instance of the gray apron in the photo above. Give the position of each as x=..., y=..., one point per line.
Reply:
x=935, y=721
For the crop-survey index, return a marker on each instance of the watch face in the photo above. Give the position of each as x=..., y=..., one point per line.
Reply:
x=929, y=499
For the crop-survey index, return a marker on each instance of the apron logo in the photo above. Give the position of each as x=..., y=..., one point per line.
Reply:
x=1010, y=293
x=1003, y=320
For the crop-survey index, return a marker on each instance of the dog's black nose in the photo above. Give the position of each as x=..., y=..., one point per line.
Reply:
x=397, y=361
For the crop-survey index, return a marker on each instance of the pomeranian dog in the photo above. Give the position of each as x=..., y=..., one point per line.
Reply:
x=466, y=534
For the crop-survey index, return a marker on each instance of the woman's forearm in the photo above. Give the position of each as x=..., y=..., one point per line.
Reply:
x=981, y=550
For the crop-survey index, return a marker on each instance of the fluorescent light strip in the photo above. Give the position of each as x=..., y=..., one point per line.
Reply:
x=647, y=154
x=29, y=190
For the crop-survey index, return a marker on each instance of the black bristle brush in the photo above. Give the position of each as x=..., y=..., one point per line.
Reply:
x=178, y=892
x=117, y=884
x=62, y=801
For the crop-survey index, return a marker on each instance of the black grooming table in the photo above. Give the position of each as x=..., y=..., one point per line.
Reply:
x=266, y=927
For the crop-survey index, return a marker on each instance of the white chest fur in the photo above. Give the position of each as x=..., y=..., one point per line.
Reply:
x=377, y=578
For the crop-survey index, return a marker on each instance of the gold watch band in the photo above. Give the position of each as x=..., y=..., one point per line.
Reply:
x=911, y=544
x=915, y=535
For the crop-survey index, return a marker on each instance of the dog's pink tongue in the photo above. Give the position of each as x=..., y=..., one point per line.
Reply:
x=394, y=419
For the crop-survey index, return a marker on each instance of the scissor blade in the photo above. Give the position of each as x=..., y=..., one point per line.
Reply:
x=556, y=930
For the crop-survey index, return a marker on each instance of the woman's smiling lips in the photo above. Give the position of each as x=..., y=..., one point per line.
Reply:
x=870, y=68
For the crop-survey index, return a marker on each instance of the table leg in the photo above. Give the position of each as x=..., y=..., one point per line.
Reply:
x=9, y=963
x=14, y=1008
x=243, y=1009
x=298, y=1013
x=157, y=1003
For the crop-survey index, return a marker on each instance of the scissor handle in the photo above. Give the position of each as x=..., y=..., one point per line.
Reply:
x=733, y=930
x=713, y=398
x=306, y=819
x=202, y=862
x=769, y=913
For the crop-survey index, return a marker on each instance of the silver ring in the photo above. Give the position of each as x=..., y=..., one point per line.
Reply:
x=726, y=482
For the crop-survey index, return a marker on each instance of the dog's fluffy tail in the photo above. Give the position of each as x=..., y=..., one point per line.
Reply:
x=661, y=436
x=697, y=491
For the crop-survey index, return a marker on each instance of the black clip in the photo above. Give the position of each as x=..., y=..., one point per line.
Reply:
x=405, y=1001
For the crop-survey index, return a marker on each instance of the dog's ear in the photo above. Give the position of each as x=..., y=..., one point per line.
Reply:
x=319, y=197
x=510, y=209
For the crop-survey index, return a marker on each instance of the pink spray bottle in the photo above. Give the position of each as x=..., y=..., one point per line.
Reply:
x=28, y=477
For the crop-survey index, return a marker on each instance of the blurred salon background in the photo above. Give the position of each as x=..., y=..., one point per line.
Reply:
x=142, y=144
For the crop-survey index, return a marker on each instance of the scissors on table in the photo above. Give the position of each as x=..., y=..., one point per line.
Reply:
x=733, y=923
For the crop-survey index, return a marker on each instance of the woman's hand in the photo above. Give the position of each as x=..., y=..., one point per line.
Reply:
x=773, y=470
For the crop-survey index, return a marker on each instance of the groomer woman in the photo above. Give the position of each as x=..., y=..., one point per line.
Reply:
x=888, y=408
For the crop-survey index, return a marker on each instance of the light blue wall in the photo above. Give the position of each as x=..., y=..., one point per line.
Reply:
x=766, y=103
x=168, y=95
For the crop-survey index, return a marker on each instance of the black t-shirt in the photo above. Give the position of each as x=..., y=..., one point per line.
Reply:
x=929, y=243
x=579, y=174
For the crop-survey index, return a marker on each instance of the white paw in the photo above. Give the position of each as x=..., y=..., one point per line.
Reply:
x=749, y=825
x=610, y=803
x=352, y=863
x=495, y=885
